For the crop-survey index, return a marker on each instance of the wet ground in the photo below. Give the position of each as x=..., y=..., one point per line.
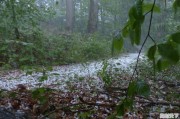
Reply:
x=61, y=74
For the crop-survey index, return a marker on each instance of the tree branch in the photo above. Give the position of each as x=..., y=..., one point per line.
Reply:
x=148, y=35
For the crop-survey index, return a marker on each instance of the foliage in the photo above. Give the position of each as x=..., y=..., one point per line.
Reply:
x=23, y=43
x=50, y=50
x=176, y=4
x=135, y=88
x=170, y=56
x=104, y=74
x=162, y=54
x=117, y=44
x=76, y=48
x=41, y=94
x=133, y=30
x=19, y=41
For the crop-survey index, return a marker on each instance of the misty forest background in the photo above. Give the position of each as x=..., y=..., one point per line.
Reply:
x=49, y=50
x=48, y=32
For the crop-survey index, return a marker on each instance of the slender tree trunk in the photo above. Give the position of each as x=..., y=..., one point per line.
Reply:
x=102, y=21
x=115, y=21
x=81, y=21
x=16, y=31
x=165, y=4
x=70, y=11
x=93, y=16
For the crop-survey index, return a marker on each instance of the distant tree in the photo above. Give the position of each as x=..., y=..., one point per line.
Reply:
x=16, y=30
x=70, y=15
x=20, y=32
x=93, y=16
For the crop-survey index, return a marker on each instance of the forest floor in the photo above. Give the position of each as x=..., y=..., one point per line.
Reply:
x=46, y=76
x=82, y=93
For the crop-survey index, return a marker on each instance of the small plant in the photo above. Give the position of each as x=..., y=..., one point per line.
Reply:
x=105, y=76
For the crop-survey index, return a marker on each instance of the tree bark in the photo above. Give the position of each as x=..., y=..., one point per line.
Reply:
x=70, y=11
x=93, y=16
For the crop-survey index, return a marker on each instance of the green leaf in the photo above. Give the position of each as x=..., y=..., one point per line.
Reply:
x=49, y=68
x=43, y=99
x=13, y=94
x=162, y=64
x=151, y=52
x=29, y=72
x=176, y=4
x=125, y=30
x=38, y=92
x=117, y=44
x=138, y=87
x=42, y=90
x=143, y=88
x=131, y=36
x=176, y=37
x=133, y=26
x=139, y=9
x=120, y=109
x=4, y=48
x=148, y=6
x=126, y=104
x=168, y=52
x=23, y=59
x=35, y=94
x=139, y=4
x=137, y=35
x=133, y=14
x=43, y=78
x=132, y=89
x=140, y=18
x=84, y=115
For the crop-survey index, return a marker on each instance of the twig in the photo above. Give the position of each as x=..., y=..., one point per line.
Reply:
x=115, y=89
x=148, y=35
x=96, y=104
x=147, y=13
x=160, y=103
x=62, y=108
x=152, y=39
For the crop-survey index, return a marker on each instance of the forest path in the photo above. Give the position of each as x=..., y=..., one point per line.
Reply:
x=60, y=75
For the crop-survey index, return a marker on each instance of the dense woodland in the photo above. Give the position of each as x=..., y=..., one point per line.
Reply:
x=41, y=40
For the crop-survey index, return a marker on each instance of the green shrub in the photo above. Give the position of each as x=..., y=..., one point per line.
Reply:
x=38, y=49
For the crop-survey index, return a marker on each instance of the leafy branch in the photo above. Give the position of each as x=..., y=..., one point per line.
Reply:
x=146, y=38
x=168, y=52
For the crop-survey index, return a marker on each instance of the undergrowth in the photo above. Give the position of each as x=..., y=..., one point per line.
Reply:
x=86, y=98
x=39, y=50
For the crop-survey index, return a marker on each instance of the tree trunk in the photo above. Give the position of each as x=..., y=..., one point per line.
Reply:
x=115, y=21
x=70, y=11
x=165, y=4
x=93, y=16
x=102, y=23
x=16, y=31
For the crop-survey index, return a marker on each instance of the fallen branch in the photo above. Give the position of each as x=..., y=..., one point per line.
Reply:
x=66, y=108
x=111, y=89
x=97, y=104
x=152, y=103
